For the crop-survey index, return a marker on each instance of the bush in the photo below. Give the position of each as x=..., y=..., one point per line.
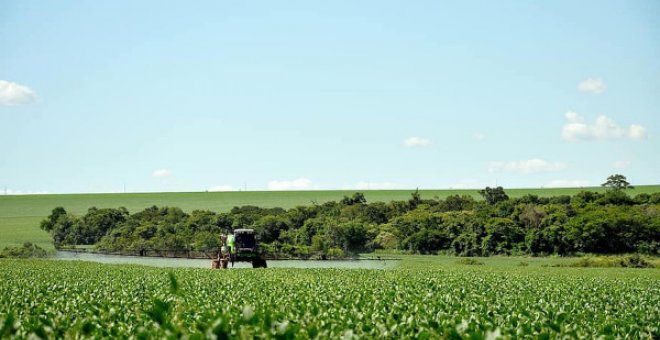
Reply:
x=28, y=250
x=648, y=247
x=470, y=262
x=630, y=261
x=335, y=253
x=635, y=261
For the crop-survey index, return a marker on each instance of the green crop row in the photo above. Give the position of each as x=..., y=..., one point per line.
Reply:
x=51, y=299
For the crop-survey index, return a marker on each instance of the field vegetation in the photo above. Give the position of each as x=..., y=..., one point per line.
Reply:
x=426, y=297
x=28, y=250
x=588, y=222
x=20, y=215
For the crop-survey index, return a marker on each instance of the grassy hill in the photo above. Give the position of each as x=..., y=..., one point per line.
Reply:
x=20, y=215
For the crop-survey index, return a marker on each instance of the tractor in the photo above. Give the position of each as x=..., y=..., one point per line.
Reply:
x=239, y=246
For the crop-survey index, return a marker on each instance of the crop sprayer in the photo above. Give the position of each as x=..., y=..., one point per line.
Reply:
x=239, y=246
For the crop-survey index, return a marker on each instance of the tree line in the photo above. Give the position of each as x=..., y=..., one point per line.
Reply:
x=588, y=222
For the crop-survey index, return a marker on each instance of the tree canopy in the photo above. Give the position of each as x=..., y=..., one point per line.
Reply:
x=617, y=182
x=610, y=222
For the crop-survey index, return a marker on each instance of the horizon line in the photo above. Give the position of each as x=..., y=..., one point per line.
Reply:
x=304, y=190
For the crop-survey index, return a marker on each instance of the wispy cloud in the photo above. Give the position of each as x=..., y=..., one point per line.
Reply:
x=466, y=184
x=374, y=186
x=296, y=184
x=621, y=164
x=478, y=136
x=162, y=173
x=529, y=166
x=567, y=183
x=577, y=129
x=20, y=192
x=15, y=94
x=592, y=85
x=222, y=188
x=412, y=142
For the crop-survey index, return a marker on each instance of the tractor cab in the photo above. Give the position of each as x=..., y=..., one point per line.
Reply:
x=245, y=241
x=241, y=245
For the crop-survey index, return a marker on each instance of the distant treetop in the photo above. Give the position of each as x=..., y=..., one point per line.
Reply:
x=617, y=182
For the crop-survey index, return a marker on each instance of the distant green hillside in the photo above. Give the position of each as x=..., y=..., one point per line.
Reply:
x=20, y=215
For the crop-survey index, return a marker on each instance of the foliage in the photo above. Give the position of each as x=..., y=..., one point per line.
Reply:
x=358, y=198
x=20, y=214
x=28, y=250
x=71, y=300
x=629, y=261
x=470, y=262
x=588, y=222
x=493, y=195
x=617, y=182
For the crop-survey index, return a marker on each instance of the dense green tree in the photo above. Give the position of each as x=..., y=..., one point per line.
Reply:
x=617, y=182
x=617, y=197
x=530, y=215
x=493, y=195
x=354, y=237
x=611, y=222
x=467, y=244
x=385, y=240
x=457, y=203
x=502, y=236
x=427, y=241
x=376, y=213
x=53, y=219
x=269, y=227
x=415, y=199
x=357, y=198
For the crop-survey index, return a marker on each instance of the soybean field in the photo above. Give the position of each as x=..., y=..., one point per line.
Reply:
x=421, y=298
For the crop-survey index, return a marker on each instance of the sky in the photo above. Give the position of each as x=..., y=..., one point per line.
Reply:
x=100, y=96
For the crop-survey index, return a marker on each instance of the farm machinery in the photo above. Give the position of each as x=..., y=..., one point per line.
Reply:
x=239, y=246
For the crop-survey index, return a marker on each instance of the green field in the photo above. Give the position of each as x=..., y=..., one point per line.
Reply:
x=425, y=297
x=20, y=215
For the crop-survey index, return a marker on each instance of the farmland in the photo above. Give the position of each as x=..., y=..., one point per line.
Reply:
x=425, y=297
x=20, y=215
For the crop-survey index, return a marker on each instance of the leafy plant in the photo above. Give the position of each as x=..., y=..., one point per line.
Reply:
x=48, y=299
x=470, y=262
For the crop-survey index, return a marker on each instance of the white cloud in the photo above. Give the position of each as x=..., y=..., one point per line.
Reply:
x=296, y=184
x=19, y=192
x=478, y=136
x=622, y=164
x=416, y=142
x=466, y=184
x=576, y=129
x=15, y=94
x=592, y=85
x=636, y=131
x=222, y=188
x=375, y=186
x=529, y=166
x=162, y=173
x=567, y=183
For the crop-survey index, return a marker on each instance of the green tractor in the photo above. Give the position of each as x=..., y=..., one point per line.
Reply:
x=239, y=246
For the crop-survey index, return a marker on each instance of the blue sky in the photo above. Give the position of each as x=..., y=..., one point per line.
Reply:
x=224, y=95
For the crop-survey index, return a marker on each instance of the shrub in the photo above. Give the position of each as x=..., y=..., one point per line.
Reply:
x=630, y=261
x=470, y=262
x=28, y=250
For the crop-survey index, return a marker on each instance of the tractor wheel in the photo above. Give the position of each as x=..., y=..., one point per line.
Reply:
x=259, y=263
x=224, y=263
